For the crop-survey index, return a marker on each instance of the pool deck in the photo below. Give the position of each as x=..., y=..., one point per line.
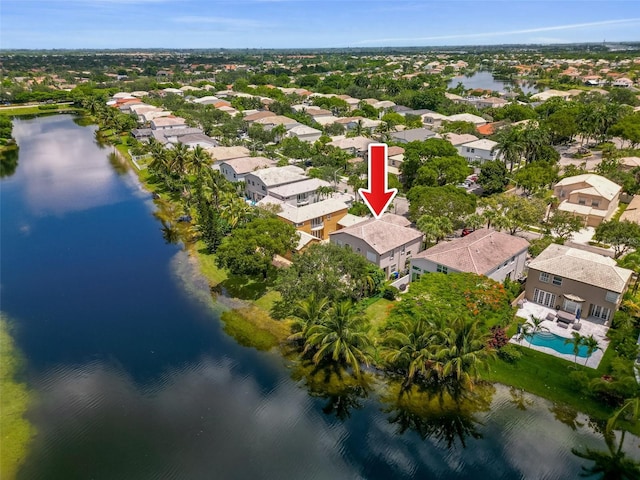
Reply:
x=598, y=330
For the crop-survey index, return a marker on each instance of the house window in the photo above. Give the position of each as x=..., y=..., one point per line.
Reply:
x=328, y=216
x=595, y=203
x=264, y=189
x=392, y=254
x=544, y=277
x=513, y=259
x=403, y=248
x=557, y=280
x=582, y=201
x=561, y=193
x=299, y=224
x=612, y=297
x=442, y=269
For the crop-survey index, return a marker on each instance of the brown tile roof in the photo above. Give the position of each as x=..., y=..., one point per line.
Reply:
x=479, y=252
x=582, y=266
x=391, y=151
x=383, y=234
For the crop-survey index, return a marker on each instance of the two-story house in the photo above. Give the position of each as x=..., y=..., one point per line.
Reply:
x=259, y=182
x=235, y=169
x=299, y=193
x=387, y=242
x=581, y=283
x=479, y=151
x=592, y=197
x=494, y=254
x=318, y=219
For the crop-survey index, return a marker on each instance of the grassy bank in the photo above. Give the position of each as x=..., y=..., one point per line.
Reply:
x=15, y=430
x=35, y=110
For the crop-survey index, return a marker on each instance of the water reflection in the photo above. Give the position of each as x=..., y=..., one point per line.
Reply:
x=58, y=176
x=343, y=392
x=610, y=464
x=8, y=162
x=201, y=421
x=439, y=415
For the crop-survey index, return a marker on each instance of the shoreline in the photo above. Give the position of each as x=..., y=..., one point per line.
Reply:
x=253, y=326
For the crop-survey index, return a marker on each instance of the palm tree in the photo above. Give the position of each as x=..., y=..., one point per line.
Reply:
x=536, y=325
x=199, y=160
x=577, y=341
x=409, y=348
x=460, y=351
x=525, y=331
x=179, y=155
x=340, y=338
x=308, y=313
x=592, y=346
x=510, y=145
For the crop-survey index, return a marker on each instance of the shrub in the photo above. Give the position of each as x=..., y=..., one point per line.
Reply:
x=390, y=293
x=537, y=246
x=498, y=338
x=509, y=353
x=513, y=289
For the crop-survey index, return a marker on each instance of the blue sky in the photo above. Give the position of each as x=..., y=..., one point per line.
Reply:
x=310, y=23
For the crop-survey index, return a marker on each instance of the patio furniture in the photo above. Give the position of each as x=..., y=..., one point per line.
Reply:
x=551, y=317
x=562, y=324
x=576, y=326
x=565, y=317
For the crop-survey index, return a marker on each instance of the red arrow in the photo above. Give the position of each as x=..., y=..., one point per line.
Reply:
x=377, y=197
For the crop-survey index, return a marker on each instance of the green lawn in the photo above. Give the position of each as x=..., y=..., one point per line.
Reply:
x=377, y=313
x=548, y=377
x=19, y=111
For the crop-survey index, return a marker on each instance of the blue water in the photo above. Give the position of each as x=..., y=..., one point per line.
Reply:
x=556, y=342
x=485, y=81
x=134, y=378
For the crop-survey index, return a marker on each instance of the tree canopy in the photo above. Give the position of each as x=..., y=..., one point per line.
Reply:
x=448, y=201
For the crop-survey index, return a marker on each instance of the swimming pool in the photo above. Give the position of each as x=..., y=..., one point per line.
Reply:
x=555, y=342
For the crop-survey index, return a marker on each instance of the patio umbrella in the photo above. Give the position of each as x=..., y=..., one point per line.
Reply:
x=578, y=312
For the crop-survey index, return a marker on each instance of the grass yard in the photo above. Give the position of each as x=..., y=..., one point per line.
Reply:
x=377, y=313
x=34, y=110
x=548, y=377
x=253, y=327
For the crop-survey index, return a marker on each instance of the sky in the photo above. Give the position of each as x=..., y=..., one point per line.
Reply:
x=104, y=24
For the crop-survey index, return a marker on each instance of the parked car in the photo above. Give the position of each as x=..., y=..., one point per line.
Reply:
x=466, y=231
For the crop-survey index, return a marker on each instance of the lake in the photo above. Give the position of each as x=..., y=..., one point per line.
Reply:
x=484, y=80
x=134, y=378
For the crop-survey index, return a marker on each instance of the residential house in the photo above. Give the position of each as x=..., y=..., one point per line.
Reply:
x=305, y=133
x=235, y=169
x=457, y=139
x=578, y=282
x=623, y=82
x=494, y=254
x=272, y=121
x=395, y=157
x=319, y=219
x=434, y=120
x=258, y=115
x=590, y=196
x=479, y=151
x=387, y=242
x=413, y=135
x=467, y=117
x=167, y=123
x=632, y=212
x=357, y=146
x=222, y=154
x=629, y=163
x=320, y=115
x=488, y=102
x=259, y=182
x=299, y=193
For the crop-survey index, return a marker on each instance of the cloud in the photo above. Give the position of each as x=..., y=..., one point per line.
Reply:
x=556, y=28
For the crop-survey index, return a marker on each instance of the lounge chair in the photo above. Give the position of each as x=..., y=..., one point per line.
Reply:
x=562, y=324
x=576, y=326
x=551, y=317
